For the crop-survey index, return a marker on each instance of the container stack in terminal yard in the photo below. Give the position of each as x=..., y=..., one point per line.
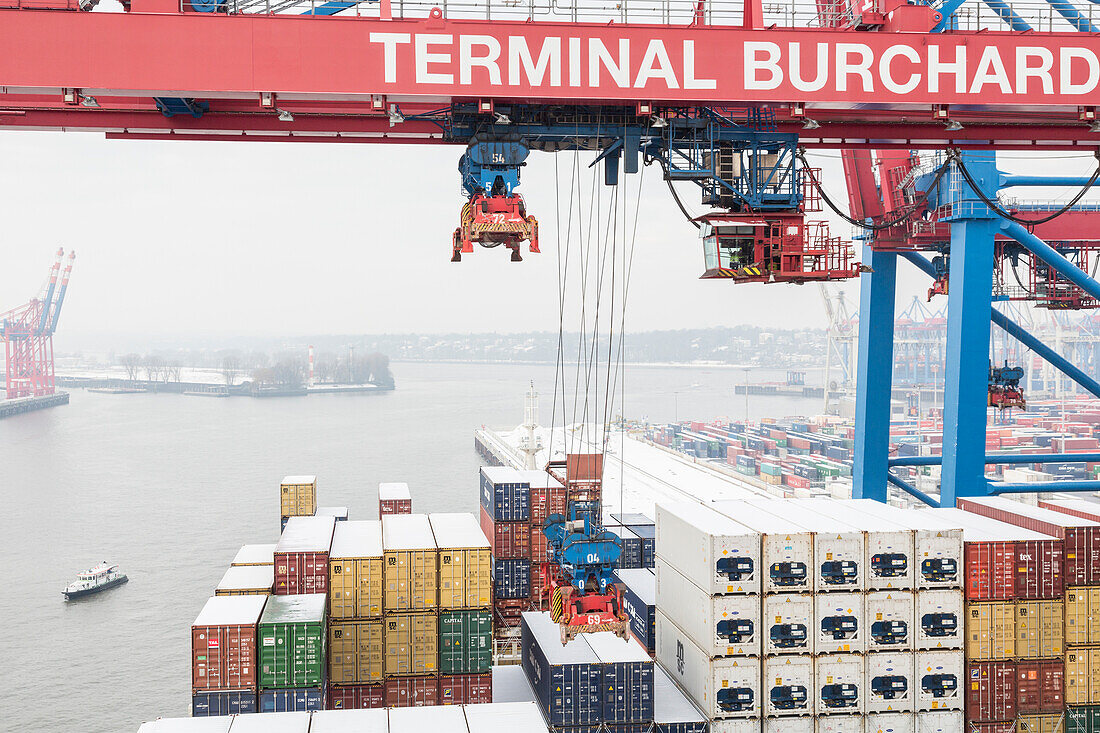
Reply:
x=355, y=633
x=297, y=498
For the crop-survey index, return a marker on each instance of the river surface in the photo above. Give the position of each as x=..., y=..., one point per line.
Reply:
x=170, y=486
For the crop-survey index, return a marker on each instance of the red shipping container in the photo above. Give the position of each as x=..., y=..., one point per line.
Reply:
x=1080, y=537
x=463, y=689
x=539, y=548
x=411, y=692
x=990, y=571
x=223, y=643
x=509, y=539
x=301, y=572
x=353, y=697
x=1039, y=687
x=990, y=691
x=546, y=500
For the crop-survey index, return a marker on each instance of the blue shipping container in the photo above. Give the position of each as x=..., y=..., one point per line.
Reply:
x=627, y=687
x=223, y=702
x=639, y=599
x=512, y=578
x=292, y=700
x=506, y=494
x=566, y=679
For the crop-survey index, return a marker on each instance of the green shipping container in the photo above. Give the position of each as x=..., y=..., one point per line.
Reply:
x=465, y=642
x=1083, y=719
x=292, y=641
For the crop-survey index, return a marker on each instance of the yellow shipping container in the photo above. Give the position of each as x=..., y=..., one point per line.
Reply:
x=991, y=631
x=465, y=561
x=1082, y=616
x=355, y=570
x=1082, y=676
x=411, y=569
x=412, y=643
x=1039, y=629
x=355, y=652
x=1039, y=724
x=298, y=496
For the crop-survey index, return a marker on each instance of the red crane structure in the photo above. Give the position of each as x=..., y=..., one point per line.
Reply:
x=27, y=333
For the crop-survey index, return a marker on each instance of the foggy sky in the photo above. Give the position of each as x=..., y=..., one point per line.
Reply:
x=220, y=238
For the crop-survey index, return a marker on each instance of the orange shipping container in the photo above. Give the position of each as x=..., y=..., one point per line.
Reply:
x=1039, y=629
x=991, y=631
x=1082, y=676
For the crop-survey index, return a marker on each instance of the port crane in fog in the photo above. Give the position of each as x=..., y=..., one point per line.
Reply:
x=27, y=332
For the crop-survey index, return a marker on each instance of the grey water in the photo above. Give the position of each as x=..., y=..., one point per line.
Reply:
x=170, y=486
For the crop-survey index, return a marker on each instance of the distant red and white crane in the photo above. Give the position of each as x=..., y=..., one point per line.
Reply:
x=27, y=332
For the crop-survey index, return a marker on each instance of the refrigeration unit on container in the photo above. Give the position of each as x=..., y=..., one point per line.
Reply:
x=352, y=697
x=505, y=718
x=990, y=691
x=627, y=673
x=889, y=561
x=722, y=626
x=788, y=688
x=292, y=641
x=465, y=562
x=505, y=494
x=223, y=643
x=639, y=600
x=1040, y=687
x=355, y=652
x=1082, y=619
x=938, y=619
x=1040, y=629
x=246, y=580
x=673, y=712
x=1080, y=537
x=409, y=692
x=292, y=700
x=394, y=498
x=1082, y=676
x=889, y=619
x=465, y=641
x=838, y=684
x=710, y=549
x=839, y=624
x=255, y=555
x=438, y=718
x=223, y=702
x=940, y=721
x=890, y=686
x=411, y=643
x=461, y=689
x=355, y=570
x=938, y=547
x=298, y=496
x=788, y=624
x=893, y=723
x=1006, y=562
x=410, y=568
x=301, y=556
x=566, y=679
x=939, y=678
x=786, y=555
x=347, y=721
x=991, y=630
x=725, y=687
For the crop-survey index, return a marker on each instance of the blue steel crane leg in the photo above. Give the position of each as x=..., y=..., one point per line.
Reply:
x=966, y=394
x=1049, y=255
x=874, y=374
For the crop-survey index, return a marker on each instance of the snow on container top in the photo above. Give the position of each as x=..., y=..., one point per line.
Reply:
x=506, y=717
x=306, y=534
x=271, y=722
x=713, y=551
x=437, y=718
x=457, y=531
x=407, y=532
x=255, y=555
x=216, y=724
x=349, y=721
x=303, y=608
x=358, y=539
x=231, y=611
x=299, y=481
x=1074, y=507
x=339, y=512
x=977, y=528
x=246, y=577
x=1042, y=516
x=394, y=491
x=510, y=684
x=670, y=704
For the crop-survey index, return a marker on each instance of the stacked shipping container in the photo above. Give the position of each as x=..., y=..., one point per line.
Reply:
x=355, y=633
